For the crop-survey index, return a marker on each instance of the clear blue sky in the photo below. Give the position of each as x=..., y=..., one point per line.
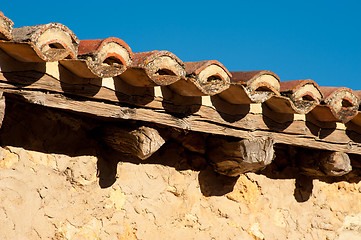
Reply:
x=320, y=40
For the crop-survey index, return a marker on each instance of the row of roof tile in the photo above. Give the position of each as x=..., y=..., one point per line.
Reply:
x=110, y=57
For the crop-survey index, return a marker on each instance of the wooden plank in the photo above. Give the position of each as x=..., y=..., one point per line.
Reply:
x=238, y=116
x=195, y=122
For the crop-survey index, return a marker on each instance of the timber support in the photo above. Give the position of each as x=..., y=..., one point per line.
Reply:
x=233, y=158
x=141, y=142
x=323, y=163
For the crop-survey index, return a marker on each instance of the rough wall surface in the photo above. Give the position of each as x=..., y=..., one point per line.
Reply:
x=58, y=182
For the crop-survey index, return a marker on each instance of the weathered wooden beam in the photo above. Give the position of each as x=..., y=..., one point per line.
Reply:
x=323, y=163
x=231, y=120
x=196, y=161
x=141, y=142
x=207, y=120
x=233, y=158
x=232, y=116
x=2, y=108
x=336, y=164
x=192, y=141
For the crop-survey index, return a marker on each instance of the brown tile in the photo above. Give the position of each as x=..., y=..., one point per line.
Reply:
x=294, y=85
x=93, y=46
x=242, y=77
x=251, y=87
x=303, y=96
x=154, y=68
x=342, y=102
x=50, y=42
x=100, y=58
x=6, y=27
x=203, y=78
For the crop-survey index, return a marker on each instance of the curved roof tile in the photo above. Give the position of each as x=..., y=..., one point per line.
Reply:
x=154, y=68
x=6, y=27
x=108, y=57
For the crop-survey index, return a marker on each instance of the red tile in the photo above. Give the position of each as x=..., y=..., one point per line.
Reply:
x=94, y=45
x=197, y=67
x=241, y=77
x=6, y=26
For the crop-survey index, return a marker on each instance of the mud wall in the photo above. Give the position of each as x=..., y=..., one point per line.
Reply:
x=58, y=181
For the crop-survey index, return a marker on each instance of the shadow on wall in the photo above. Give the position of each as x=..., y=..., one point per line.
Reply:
x=53, y=131
x=285, y=166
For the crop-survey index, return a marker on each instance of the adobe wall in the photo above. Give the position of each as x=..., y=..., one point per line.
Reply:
x=57, y=181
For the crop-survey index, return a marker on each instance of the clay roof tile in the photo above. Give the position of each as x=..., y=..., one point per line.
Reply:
x=6, y=27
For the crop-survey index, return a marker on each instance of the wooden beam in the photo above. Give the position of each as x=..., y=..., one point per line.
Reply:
x=233, y=158
x=141, y=142
x=2, y=108
x=205, y=121
x=229, y=115
x=336, y=164
x=323, y=163
x=192, y=141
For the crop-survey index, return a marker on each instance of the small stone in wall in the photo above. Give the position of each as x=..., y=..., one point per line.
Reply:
x=128, y=234
x=7, y=158
x=82, y=170
x=41, y=158
x=89, y=231
x=116, y=199
x=279, y=219
x=255, y=231
x=351, y=228
x=245, y=191
x=190, y=220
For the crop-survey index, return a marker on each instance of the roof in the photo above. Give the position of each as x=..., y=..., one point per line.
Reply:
x=94, y=62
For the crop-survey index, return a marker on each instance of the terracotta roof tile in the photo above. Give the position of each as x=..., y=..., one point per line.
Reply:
x=203, y=78
x=342, y=102
x=50, y=42
x=358, y=94
x=331, y=91
x=299, y=96
x=6, y=27
x=295, y=85
x=100, y=58
x=195, y=68
x=251, y=87
x=154, y=68
x=243, y=77
x=93, y=46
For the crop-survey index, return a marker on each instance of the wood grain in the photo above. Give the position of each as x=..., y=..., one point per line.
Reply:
x=196, y=122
